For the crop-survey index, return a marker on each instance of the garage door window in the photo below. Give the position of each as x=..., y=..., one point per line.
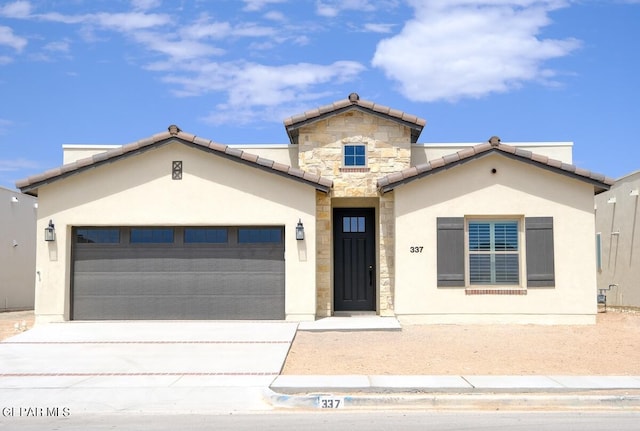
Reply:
x=151, y=235
x=259, y=235
x=97, y=236
x=205, y=236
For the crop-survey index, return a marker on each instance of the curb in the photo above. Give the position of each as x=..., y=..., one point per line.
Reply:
x=458, y=401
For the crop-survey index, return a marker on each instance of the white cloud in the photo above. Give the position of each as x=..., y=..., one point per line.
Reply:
x=5, y=60
x=257, y=5
x=455, y=49
x=379, y=27
x=129, y=21
x=9, y=39
x=177, y=50
x=257, y=88
x=145, y=4
x=59, y=46
x=16, y=9
x=275, y=16
x=17, y=164
x=332, y=8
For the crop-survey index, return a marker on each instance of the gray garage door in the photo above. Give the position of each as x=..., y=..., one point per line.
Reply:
x=178, y=273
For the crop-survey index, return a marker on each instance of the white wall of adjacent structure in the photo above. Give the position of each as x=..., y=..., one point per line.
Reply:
x=18, y=214
x=618, y=226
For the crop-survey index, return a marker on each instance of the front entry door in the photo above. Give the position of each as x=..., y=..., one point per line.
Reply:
x=354, y=259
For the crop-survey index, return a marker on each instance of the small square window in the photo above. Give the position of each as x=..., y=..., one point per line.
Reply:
x=355, y=155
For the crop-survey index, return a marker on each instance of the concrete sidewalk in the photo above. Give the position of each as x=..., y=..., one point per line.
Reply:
x=457, y=392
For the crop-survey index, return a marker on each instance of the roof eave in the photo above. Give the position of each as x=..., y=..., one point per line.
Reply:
x=320, y=184
x=599, y=186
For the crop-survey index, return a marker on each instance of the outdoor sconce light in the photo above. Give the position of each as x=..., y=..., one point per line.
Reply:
x=14, y=200
x=299, y=231
x=50, y=232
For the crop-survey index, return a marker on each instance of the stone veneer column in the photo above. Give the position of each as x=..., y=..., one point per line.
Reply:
x=387, y=255
x=323, y=255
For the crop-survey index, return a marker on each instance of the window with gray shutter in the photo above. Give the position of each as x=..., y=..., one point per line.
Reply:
x=540, y=252
x=450, y=250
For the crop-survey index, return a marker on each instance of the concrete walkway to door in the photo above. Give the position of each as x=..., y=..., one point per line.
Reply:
x=147, y=365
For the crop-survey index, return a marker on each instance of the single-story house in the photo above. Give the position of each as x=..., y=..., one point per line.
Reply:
x=17, y=249
x=618, y=241
x=352, y=216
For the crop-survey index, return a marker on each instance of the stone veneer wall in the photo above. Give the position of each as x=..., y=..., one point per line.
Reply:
x=320, y=152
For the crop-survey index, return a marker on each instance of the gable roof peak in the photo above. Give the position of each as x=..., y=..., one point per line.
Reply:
x=173, y=130
x=351, y=102
x=494, y=141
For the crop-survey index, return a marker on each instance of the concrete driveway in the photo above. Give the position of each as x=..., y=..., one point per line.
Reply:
x=114, y=364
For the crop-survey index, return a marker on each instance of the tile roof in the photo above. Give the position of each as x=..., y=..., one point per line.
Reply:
x=173, y=134
x=391, y=181
x=353, y=101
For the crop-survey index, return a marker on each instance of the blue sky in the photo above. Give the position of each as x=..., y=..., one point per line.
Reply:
x=115, y=71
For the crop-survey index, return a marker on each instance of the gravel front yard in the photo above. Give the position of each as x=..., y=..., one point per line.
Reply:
x=611, y=347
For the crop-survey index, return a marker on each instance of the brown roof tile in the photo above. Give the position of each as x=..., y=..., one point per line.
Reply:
x=423, y=167
x=217, y=147
x=436, y=163
x=389, y=182
x=249, y=157
x=31, y=184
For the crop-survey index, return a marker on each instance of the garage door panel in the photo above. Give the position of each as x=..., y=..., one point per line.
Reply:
x=154, y=283
x=178, y=307
x=177, y=281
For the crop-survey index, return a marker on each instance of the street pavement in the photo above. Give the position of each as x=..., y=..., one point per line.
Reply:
x=221, y=367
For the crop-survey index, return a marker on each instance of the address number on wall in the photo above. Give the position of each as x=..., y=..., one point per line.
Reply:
x=416, y=249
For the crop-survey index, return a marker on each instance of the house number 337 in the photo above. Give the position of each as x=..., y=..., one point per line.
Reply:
x=416, y=249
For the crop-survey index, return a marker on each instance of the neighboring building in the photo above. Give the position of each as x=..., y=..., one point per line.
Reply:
x=176, y=226
x=618, y=241
x=17, y=250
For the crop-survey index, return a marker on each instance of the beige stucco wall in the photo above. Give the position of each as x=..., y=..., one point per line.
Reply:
x=516, y=189
x=620, y=250
x=139, y=190
x=423, y=152
x=17, y=250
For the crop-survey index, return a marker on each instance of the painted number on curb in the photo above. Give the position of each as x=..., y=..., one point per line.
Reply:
x=331, y=402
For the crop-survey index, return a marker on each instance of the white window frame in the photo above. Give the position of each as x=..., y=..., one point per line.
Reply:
x=520, y=252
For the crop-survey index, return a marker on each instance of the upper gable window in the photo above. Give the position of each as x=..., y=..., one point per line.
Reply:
x=355, y=155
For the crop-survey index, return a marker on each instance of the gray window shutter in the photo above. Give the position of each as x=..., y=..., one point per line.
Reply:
x=540, y=255
x=450, y=251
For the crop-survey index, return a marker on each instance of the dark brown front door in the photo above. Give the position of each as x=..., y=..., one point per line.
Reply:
x=354, y=254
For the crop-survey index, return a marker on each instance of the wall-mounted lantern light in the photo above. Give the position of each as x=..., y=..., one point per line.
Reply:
x=50, y=232
x=299, y=231
x=14, y=200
